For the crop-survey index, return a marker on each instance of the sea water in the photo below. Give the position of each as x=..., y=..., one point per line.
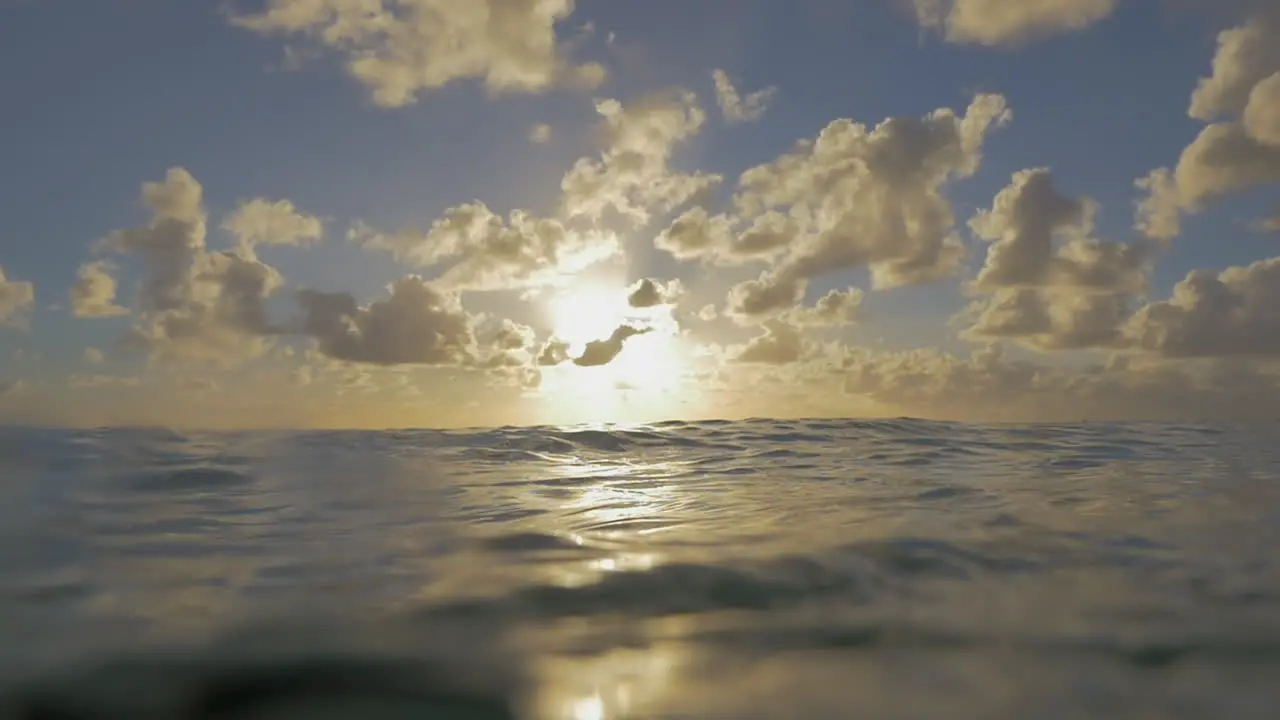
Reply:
x=753, y=569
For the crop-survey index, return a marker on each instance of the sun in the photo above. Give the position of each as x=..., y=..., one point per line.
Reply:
x=649, y=362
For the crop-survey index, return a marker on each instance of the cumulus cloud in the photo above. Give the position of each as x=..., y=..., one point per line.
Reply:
x=1245, y=57
x=1231, y=313
x=726, y=240
x=1240, y=149
x=647, y=293
x=1008, y=24
x=1022, y=225
x=837, y=307
x=482, y=251
x=864, y=197
x=779, y=344
x=400, y=49
x=416, y=324
x=553, y=352
x=1051, y=319
x=990, y=385
x=603, y=352
x=94, y=292
x=16, y=300
x=632, y=176
x=1051, y=285
x=512, y=335
x=193, y=304
x=738, y=108
x=264, y=222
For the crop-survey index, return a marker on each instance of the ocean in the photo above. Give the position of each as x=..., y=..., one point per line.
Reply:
x=745, y=569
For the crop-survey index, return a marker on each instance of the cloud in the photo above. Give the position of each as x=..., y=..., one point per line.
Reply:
x=402, y=49
x=540, y=134
x=554, y=352
x=1051, y=285
x=737, y=108
x=1022, y=225
x=632, y=176
x=647, y=293
x=94, y=292
x=482, y=251
x=603, y=352
x=1050, y=319
x=94, y=356
x=1240, y=149
x=416, y=324
x=780, y=344
x=193, y=304
x=837, y=307
x=1246, y=56
x=988, y=385
x=727, y=240
x=1009, y=24
x=263, y=222
x=866, y=197
x=708, y=313
x=512, y=335
x=16, y=300
x=1231, y=313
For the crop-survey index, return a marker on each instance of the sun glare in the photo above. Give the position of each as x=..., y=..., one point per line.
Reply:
x=648, y=363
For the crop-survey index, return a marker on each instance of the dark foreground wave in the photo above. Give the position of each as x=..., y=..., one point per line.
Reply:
x=722, y=570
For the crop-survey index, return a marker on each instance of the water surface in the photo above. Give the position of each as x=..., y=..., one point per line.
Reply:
x=756, y=569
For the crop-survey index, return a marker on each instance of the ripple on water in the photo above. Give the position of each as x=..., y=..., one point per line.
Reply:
x=191, y=479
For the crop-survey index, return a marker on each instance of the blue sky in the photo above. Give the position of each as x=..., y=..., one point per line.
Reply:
x=104, y=96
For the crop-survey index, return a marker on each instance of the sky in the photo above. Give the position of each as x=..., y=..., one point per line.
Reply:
x=457, y=213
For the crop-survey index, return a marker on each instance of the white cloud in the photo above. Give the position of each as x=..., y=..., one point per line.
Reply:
x=738, y=108
x=540, y=134
x=632, y=176
x=1052, y=286
x=1261, y=116
x=1246, y=55
x=1040, y=238
x=647, y=293
x=513, y=336
x=865, y=197
x=400, y=49
x=263, y=222
x=1006, y=23
x=780, y=344
x=485, y=252
x=416, y=324
x=1241, y=148
x=837, y=307
x=554, y=352
x=194, y=304
x=94, y=356
x=1232, y=313
x=16, y=300
x=1050, y=319
x=723, y=239
x=94, y=292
